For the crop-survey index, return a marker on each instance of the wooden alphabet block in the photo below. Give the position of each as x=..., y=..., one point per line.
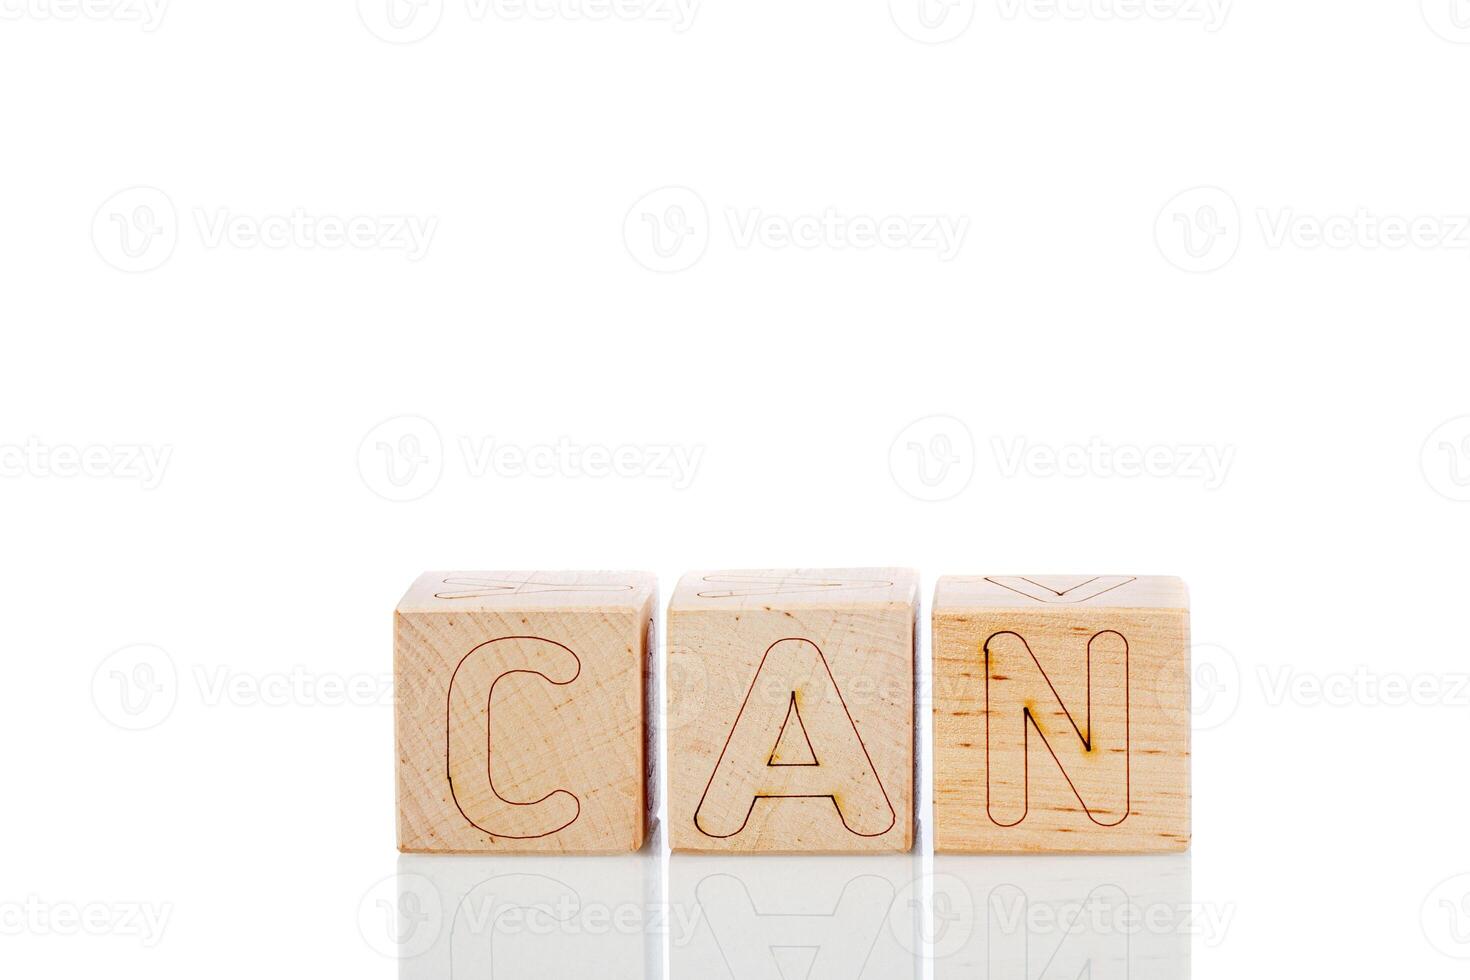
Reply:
x=1061, y=714
x=791, y=710
x=522, y=715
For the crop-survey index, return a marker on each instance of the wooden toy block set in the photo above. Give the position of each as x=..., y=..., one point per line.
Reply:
x=527, y=710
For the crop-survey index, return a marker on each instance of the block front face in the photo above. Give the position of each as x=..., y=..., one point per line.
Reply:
x=1061, y=714
x=791, y=710
x=521, y=712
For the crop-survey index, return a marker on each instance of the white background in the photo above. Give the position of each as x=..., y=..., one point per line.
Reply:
x=1299, y=320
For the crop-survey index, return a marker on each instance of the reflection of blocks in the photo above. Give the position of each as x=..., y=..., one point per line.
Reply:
x=535, y=916
x=1061, y=714
x=791, y=710
x=522, y=711
x=797, y=916
x=1100, y=916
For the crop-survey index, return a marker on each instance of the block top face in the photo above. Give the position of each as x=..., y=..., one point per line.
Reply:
x=958, y=593
x=448, y=592
x=795, y=588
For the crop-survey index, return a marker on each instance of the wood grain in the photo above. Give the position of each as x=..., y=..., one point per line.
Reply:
x=791, y=710
x=1061, y=714
x=522, y=715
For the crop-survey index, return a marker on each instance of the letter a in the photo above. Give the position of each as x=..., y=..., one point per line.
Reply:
x=794, y=738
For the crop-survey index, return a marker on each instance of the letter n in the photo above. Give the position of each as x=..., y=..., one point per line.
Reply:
x=1070, y=710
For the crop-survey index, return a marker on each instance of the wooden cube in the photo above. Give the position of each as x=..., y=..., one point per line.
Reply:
x=1061, y=714
x=523, y=721
x=791, y=710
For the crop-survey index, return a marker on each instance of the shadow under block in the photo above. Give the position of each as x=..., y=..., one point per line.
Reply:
x=791, y=711
x=522, y=712
x=1061, y=714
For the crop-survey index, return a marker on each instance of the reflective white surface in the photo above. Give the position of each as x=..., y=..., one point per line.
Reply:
x=526, y=916
x=785, y=917
x=1070, y=917
x=778, y=916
